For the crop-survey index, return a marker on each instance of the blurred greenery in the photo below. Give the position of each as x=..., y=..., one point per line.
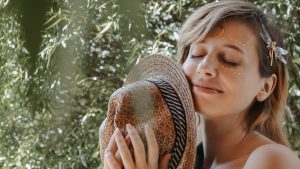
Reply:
x=62, y=59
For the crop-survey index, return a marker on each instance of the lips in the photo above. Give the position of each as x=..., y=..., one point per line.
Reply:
x=206, y=88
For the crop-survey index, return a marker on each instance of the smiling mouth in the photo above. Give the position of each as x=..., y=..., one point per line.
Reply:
x=206, y=89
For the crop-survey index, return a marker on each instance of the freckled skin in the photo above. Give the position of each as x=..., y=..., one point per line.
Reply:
x=240, y=84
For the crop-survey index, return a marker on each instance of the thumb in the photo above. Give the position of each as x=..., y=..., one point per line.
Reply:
x=164, y=162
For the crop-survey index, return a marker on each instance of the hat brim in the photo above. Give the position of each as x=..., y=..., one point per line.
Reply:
x=158, y=66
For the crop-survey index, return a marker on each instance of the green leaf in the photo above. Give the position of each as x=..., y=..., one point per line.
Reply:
x=107, y=26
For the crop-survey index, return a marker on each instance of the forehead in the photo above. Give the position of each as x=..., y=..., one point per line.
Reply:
x=233, y=31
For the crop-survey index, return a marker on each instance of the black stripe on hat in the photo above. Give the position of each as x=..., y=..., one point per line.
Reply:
x=178, y=115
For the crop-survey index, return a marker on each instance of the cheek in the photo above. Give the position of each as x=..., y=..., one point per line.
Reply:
x=188, y=69
x=234, y=71
x=244, y=89
x=238, y=83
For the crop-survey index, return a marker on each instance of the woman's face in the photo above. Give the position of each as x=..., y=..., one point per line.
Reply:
x=223, y=70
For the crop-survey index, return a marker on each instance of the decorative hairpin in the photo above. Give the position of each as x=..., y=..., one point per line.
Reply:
x=273, y=49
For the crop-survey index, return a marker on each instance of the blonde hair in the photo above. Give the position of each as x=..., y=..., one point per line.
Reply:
x=265, y=117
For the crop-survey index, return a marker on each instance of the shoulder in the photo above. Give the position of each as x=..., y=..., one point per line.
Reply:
x=273, y=156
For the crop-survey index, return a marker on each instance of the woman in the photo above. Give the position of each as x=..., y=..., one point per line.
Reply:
x=230, y=53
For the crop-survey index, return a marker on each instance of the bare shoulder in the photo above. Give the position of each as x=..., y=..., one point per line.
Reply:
x=272, y=156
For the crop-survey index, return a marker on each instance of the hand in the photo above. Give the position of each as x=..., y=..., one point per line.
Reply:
x=118, y=155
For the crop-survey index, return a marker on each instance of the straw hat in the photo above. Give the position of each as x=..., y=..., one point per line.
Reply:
x=156, y=92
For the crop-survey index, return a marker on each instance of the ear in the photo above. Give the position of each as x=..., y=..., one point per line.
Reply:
x=267, y=88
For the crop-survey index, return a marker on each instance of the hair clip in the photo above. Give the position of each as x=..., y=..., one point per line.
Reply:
x=273, y=49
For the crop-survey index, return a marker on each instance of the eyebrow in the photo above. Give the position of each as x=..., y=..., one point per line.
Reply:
x=234, y=47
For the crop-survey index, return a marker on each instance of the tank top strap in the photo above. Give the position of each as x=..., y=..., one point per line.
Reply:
x=199, y=157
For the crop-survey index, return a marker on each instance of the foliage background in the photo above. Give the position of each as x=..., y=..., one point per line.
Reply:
x=61, y=60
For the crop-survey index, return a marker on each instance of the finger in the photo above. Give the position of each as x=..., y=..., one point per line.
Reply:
x=138, y=146
x=111, y=161
x=124, y=150
x=164, y=162
x=112, y=145
x=117, y=155
x=105, y=165
x=153, y=150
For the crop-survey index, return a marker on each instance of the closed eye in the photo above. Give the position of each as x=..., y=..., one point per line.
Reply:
x=197, y=56
x=226, y=61
x=194, y=56
x=233, y=64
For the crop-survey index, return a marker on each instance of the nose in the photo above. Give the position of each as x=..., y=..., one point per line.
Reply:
x=207, y=67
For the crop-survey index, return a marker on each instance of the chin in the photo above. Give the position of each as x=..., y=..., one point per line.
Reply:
x=210, y=113
x=206, y=107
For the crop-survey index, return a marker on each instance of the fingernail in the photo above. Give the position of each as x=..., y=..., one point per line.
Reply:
x=109, y=155
x=107, y=151
x=147, y=126
x=128, y=127
x=118, y=132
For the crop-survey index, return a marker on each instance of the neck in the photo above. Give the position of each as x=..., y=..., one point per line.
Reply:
x=221, y=138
